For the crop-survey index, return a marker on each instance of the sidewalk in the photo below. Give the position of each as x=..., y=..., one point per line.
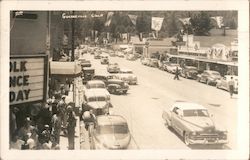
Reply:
x=64, y=139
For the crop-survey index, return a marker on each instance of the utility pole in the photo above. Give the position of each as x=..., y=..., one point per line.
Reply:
x=73, y=38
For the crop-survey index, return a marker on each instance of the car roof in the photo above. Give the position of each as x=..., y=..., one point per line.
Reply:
x=115, y=80
x=95, y=82
x=188, y=105
x=96, y=92
x=111, y=120
x=190, y=67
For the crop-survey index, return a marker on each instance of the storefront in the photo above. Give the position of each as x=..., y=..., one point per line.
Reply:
x=27, y=89
x=65, y=77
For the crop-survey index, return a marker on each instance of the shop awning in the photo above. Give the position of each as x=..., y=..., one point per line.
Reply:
x=65, y=68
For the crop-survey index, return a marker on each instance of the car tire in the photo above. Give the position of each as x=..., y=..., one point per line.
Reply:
x=124, y=92
x=186, y=138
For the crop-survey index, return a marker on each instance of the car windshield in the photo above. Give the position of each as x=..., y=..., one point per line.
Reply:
x=195, y=112
x=111, y=129
x=172, y=64
x=94, y=99
x=216, y=73
x=130, y=72
x=95, y=85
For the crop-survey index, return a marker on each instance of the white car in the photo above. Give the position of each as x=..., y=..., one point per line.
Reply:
x=171, y=67
x=98, y=100
x=127, y=76
x=95, y=84
x=222, y=83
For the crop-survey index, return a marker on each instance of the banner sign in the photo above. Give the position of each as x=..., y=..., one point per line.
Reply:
x=28, y=79
x=133, y=18
x=109, y=18
x=156, y=23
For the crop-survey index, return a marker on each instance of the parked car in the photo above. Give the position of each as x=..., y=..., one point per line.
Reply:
x=97, y=55
x=87, y=74
x=194, y=123
x=209, y=77
x=113, y=68
x=104, y=59
x=120, y=54
x=127, y=76
x=131, y=57
x=96, y=99
x=95, y=84
x=109, y=132
x=223, y=82
x=189, y=72
x=113, y=84
x=145, y=61
x=84, y=62
x=171, y=67
x=153, y=62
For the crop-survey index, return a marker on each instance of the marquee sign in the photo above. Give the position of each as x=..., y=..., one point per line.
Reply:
x=28, y=79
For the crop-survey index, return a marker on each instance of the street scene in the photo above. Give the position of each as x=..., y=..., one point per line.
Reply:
x=111, y=80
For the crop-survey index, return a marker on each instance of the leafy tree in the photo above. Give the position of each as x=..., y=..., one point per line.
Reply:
x=201, y=24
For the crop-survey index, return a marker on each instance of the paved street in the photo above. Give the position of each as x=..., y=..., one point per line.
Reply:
x=156, y=89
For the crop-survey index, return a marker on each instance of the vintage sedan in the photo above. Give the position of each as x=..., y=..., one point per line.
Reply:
x=131, y=57
x=209, y=77
x=97, y=100
x=171, y=67
x=223, y=83
x=113, y=68
x=113, y=84
x=127, y=76
x=104, y=59
x=189, y=72
x=153, y=62
x=193, y=122
x=95, y=84
x=145, y=61
x=109, y=132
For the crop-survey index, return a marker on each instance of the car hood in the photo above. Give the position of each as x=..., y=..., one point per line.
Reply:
x=199, y=123
x=97, y=104
x=124, y=75
x=114, y=141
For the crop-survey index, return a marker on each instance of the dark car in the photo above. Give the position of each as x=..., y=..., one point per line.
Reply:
x=209, y=77
x=189, y=72
x=113, y=68
x=87, y=74
x=114, y=85
x=109, y=132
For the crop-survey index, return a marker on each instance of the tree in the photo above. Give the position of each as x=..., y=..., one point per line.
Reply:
x=201, y=24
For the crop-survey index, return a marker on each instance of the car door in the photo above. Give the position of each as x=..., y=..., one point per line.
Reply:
x=224, y=83
x=175, y=119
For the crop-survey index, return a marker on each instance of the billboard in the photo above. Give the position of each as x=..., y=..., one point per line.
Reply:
x=28, y=79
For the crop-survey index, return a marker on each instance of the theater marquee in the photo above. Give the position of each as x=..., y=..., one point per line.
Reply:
x=28, y=79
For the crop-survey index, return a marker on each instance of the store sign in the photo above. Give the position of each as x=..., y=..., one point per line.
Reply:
x=28, y=79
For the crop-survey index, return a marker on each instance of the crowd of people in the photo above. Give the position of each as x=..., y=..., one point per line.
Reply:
x=42, y=130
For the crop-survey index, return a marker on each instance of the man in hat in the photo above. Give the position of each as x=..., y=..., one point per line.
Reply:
x=71, y=124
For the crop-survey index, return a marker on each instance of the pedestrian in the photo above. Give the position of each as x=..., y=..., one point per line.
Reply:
x=71, y=124
x=56, y=127
x=176, y=73
x=231, y=87
x=61, y=108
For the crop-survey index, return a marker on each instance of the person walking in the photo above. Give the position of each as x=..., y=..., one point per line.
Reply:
x=61, y=108
x=176, y=74
x=56, y=123
x=71, y=124
x=231, y=87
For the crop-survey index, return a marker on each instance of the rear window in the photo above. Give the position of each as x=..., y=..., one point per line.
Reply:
x=111, y=129
x=94, y=99
x=97, y=85
x=195, y=113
